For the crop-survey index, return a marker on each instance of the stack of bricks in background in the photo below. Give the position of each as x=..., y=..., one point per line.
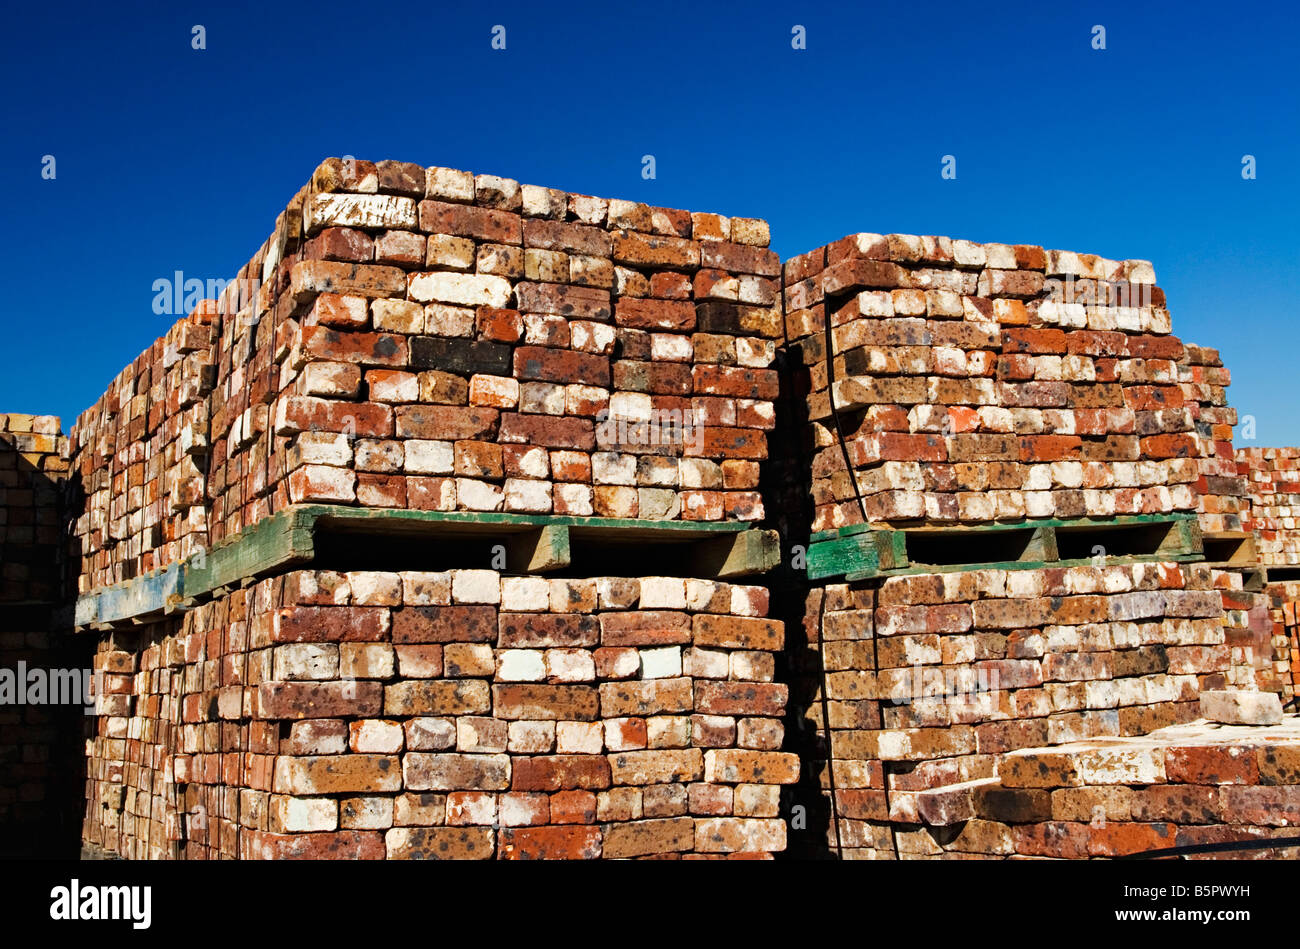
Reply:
x=1185, y=785
x=33, y=464
x=41, y=712
x=1223, y=511
x=1283, y=599
x=432, y=339
x=930, y=677
x=1273, y=481
x=140, y=459
x=974, y=382
x=462, y=714
x=1272, y=478
x=1221, y=488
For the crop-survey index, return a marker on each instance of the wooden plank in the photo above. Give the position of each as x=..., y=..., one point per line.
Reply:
x=149, y=595
x=540, y=550
x=377, y=520
x=279, y=541
x=845, y=555
x=745, y=554
x=1042, y=546
x=535, y=543
x=1230, y=548
x=1184, y=537
x=1021, y=524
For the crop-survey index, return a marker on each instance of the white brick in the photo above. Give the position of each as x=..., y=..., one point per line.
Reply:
x=475, y=586
x=525, y=594
x=663, y=593
x=521, y=665
x=579, y=738
x=464, y=289
x=663, y=663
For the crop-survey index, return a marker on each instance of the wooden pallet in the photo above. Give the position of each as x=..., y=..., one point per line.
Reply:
x=310, y=533
x=862, y=551
x=1231, y=549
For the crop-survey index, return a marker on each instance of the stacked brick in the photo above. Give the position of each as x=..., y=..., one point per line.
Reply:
x=140, y=459
x=973, y=382
x=438, y=340
x=40, y=687
x=452, y=715
x=1183, y=786
x=33, y=464
x=1284, y=624
x=1273, y=480
x=930, y=678
x=1221, y=490
x=1224, y=506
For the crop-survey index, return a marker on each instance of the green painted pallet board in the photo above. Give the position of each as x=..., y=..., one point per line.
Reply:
x=861, y=551
x=535, y=543
x=1080, y=522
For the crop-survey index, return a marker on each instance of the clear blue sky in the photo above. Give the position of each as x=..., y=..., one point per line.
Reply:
x=172, y=159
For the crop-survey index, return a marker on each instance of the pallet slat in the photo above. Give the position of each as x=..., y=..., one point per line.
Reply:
x=862, y=551
x=533, y=543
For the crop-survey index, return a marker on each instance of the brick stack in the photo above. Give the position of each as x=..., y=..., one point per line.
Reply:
x=1220, y=487
x=1273, y=480
x=1224, y=506
x=33, y=464
x=974, y=382
x=446, y=341
x=1284, y=625
x=139, y=456
x=929, y=678
x=454, y=715
x=1185, y=785
x=40, y=729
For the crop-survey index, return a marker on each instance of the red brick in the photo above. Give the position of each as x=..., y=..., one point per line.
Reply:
x=737, y=632
x=325, y=624
x=645, y=628
x=445, y=422
x=577, y=303
x=462, y=220
x=655, y=314
x=550, y=843
x=560, y=772
x=741, y=698
x=304, y=700
x=445, y=624
x=561, y=365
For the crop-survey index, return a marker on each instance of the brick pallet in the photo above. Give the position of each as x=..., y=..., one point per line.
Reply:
x=952, y=381
x=41, y=744
x=1272, y=477
x=433, y=339
x=462, y=714
x=928, y=678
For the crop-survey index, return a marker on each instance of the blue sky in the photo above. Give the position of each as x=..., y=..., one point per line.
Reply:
x=170, y=158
